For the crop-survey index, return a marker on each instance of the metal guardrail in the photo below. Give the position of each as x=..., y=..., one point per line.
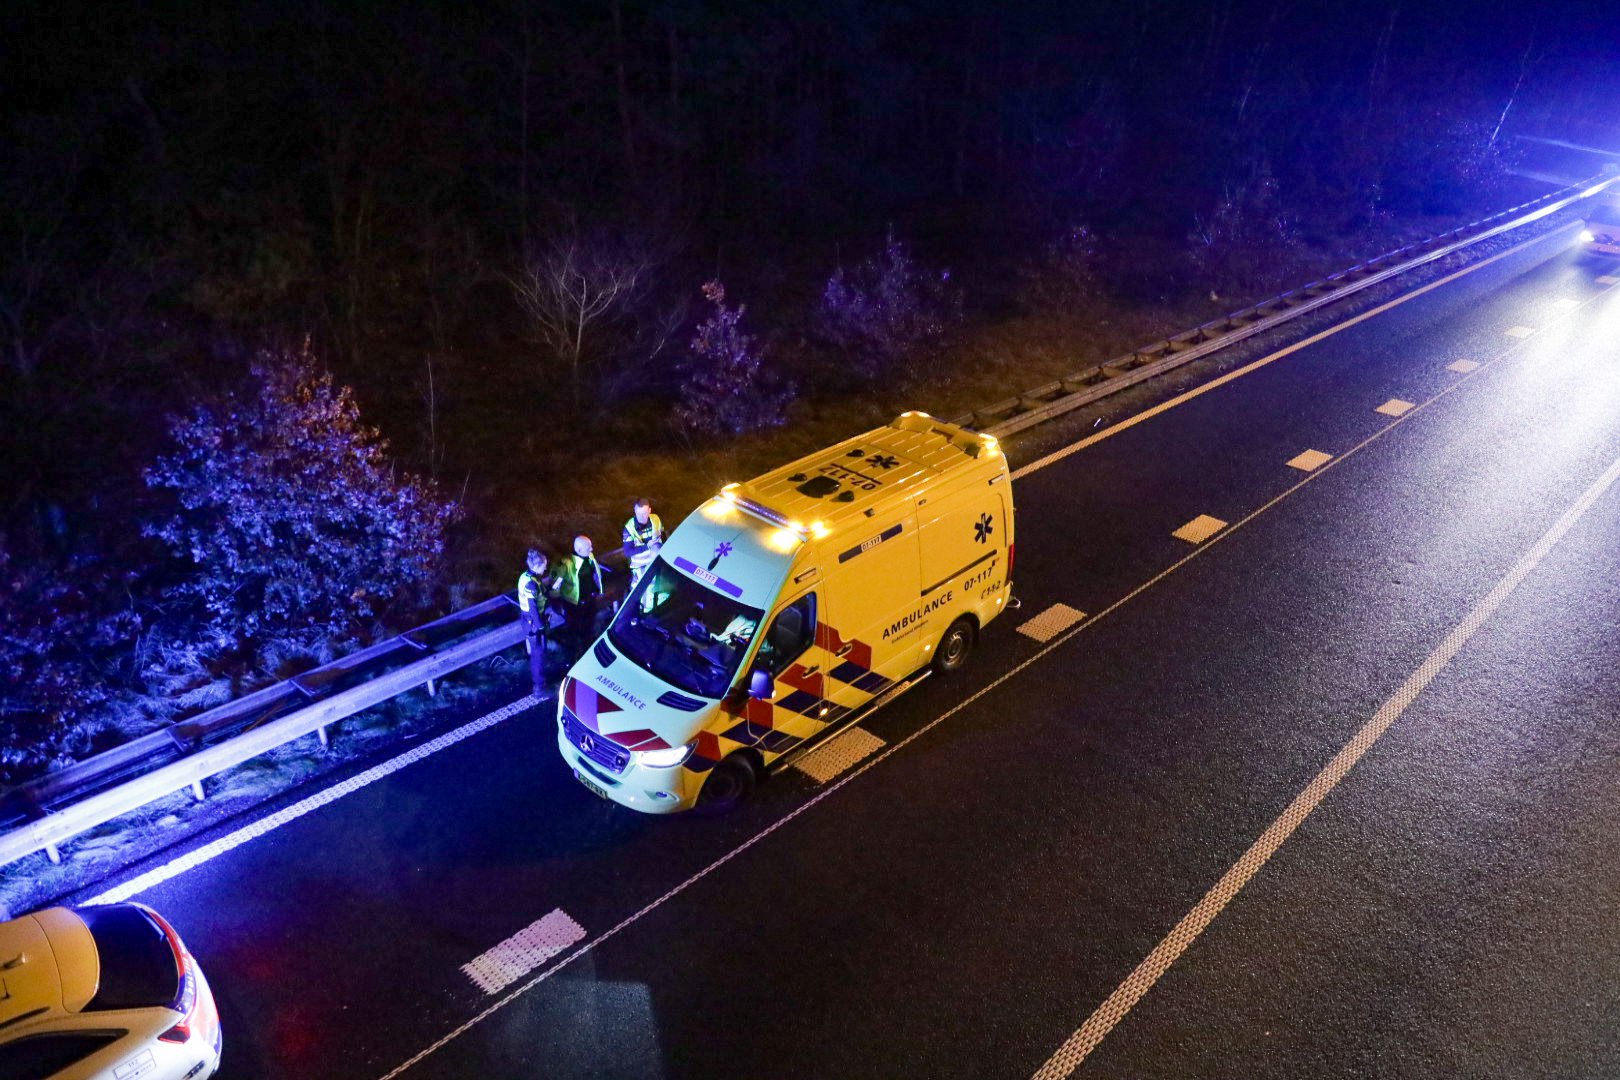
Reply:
x=47, y=812
x=1084, y=387
x=42, y=814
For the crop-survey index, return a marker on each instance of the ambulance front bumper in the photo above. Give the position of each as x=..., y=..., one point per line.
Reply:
x=640, y=787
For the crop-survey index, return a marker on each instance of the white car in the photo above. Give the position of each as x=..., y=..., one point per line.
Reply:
x=103, y=993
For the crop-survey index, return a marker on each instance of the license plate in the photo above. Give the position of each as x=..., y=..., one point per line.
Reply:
x=582, y=778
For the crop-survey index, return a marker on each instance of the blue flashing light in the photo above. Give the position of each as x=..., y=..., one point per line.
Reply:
x=760, y=510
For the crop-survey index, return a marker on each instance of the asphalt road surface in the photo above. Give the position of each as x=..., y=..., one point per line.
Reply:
x=1329, y=792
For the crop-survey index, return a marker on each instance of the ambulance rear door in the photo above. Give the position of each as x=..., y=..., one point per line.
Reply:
x=964, y=551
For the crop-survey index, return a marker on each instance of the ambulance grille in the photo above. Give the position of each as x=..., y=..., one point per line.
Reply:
x=599, y=748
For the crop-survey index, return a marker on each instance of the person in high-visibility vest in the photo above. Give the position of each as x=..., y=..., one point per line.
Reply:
x=643, y=536
x=531, y=594
x=577, y=582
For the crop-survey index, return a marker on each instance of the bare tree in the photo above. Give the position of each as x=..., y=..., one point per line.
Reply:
x=572, y=289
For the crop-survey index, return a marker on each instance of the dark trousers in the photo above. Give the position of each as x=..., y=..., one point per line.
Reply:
x=537, y=663
x=580, y=626
x=535, y=624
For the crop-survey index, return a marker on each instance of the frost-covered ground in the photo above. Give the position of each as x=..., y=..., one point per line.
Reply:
x=111, y=852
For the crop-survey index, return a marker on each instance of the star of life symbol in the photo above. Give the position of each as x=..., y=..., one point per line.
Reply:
x=721, y=550
x=983, y=528
x=884, y=461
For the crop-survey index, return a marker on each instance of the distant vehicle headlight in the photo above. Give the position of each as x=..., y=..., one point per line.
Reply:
x=664, y=759
x=1586, y=236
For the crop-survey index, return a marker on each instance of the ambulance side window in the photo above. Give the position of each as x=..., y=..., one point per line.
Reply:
x=791, y=632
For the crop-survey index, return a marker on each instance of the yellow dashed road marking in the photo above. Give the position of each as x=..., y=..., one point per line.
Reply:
x=1521, y=331
x=1309, y=460
x=1463, y=367
x=1199, y=529
x=1394, y=407
x=842, y=753
x=1051, y=622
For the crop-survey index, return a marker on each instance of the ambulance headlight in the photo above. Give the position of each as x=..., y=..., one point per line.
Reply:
x=1586, y=236
x=664, y=759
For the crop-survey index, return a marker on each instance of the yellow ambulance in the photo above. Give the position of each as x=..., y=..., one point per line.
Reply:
x=783, y=606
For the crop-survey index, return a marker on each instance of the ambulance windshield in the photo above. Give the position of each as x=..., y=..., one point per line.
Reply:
x=684, y=632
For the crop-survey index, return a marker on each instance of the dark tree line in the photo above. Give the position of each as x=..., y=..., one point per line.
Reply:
x=493, y=221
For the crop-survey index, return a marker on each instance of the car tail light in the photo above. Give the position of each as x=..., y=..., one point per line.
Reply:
x=185, y=1002
x=187, y=1007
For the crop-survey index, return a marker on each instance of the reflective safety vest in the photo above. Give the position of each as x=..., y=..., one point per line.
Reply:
x=530, y=592
x=637, y=536
x=568, y=569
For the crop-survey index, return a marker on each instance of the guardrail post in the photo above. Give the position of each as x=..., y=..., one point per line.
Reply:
x=53, y=853
x=320, y=733
x=197, y=790
x=433, y=687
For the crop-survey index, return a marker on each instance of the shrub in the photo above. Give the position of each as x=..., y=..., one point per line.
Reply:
x=886, y=311
x=63, y=629
x=1063, y=277
x=725, y=390
x=1247, y=240
x=295, y=526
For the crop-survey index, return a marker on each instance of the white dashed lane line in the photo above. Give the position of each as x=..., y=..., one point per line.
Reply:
x=496, y=969
x=1521, y=331
x=545, y=973
x=1107, y=1015
x=1463, y=367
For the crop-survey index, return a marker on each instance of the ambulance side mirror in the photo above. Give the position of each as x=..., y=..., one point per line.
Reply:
x=761, y=684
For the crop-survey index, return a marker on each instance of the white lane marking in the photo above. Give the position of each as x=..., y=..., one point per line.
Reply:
x=1068, y=1057
x=1520, y=331
x=1566, y=304
x=1462, y=367
x=1199, y=529
x=877, y=759
x=1394, y=407
x=1288, y=350
x=1011, y=673
x=841, y=753
x=1608, y=279
x=495, y=969
x=1051, y=622
x=196, y=857
x=1309, y=460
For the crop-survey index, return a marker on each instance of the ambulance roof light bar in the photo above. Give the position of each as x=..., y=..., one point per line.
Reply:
x=765, y=513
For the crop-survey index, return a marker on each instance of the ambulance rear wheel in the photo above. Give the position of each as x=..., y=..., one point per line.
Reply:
x=954, y=647
x=728, y=786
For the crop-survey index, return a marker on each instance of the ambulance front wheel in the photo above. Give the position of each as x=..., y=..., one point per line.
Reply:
x=955, y=646
x=728, y=786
